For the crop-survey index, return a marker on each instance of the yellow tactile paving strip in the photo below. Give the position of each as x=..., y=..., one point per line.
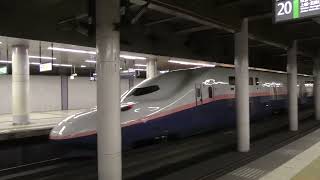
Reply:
x=311, y=172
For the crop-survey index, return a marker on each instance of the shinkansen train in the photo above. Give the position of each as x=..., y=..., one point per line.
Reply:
x=186, y=102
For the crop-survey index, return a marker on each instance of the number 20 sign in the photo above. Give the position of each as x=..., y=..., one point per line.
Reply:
x=286, y=10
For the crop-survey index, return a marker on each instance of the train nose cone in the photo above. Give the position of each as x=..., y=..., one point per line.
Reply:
x=78, y=125
x=63, y=130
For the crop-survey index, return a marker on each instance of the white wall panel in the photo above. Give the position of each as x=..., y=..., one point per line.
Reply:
x=45, y=93
x=5, y=90
x=82, y=93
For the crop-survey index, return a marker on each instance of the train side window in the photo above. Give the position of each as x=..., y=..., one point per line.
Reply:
x=145, y=90
x=210, y=92
x=250, y=81
x=232, y=80
x=257, y=81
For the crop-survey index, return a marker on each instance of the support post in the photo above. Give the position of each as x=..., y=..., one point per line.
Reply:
x=20, y=84
x=292, y=86
x=242, y=87
x=64, y=92
x=316, y=86
x=108, y=89
x=151, y=68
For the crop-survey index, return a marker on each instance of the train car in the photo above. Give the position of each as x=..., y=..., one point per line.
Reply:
x=186, y=102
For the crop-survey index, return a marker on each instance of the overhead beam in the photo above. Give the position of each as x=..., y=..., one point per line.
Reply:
x=76, y=18
x=194, y=29
x=140, y=13
x=259, y=17
x=191, y=16
x=155, y=5
x=161, y=21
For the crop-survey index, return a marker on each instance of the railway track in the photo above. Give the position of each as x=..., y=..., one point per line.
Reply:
x=166, y=160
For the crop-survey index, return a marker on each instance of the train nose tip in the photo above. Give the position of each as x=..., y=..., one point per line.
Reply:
x=54, y=134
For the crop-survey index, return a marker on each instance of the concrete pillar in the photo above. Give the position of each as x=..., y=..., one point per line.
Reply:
x=131, y=82
x=316, y=86
x=242, y=87
x=20, y=84
x=292, y=86
x=152, y=69
x=64, y=92
x=108, y=89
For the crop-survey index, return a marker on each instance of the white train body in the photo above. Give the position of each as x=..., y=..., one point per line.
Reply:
x=185, y=102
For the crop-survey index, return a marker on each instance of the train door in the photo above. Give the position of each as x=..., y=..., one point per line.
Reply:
x=203, y=111
x=198, y=94
x=275, y=93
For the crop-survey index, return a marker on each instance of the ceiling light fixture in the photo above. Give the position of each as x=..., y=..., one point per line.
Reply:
x=191, y=63
x=83, y=66
x=62, y=65
x=34, y=63
x=72, y=50
x=132, y=57
x=90, y=61
x=140, y=69
x=140, y=65
x=5, y=61
x=43, y=57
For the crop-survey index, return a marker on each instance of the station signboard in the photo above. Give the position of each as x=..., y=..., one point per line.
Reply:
x=46, y=67
x=286, y=10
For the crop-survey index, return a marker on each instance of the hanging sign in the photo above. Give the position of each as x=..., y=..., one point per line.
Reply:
x=286, y=10
x=3, y=70
x=46, y=67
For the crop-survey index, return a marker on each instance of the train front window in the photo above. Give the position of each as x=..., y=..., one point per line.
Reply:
x=145, y=90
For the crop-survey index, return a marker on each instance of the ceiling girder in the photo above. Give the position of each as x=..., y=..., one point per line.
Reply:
x=194, y=29
x=161, y=21
x=191, y=16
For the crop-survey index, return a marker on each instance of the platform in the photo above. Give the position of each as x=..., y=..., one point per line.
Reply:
x=299, y=160
x=41, y=123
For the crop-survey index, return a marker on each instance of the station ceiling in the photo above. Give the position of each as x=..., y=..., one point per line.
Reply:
x=194, y=29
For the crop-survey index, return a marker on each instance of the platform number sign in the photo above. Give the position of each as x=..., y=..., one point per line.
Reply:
x=286, y=10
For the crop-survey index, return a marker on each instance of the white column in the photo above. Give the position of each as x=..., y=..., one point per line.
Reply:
x=152, y=68
x=316, y=86
x=242, y=87
x=108, y=89
x=292, y=87
x=20, y=84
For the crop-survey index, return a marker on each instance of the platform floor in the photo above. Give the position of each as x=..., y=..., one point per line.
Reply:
x=299, y=160
x=39, y=121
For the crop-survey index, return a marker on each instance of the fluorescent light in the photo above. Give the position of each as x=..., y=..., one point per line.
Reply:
x=83, y=66
x=63, y=65
x=140, y=65
x=5, y=61
x=132, y=57
x=191, y=63
x=35, y=63
x=72, y=50
x=165, y=71
x=132, y=70
x=42, y=57
x=66, y=65
x=140, y=69
x=90, y=61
